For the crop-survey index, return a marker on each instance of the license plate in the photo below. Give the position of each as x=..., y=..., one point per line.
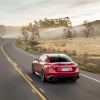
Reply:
x=65, y=69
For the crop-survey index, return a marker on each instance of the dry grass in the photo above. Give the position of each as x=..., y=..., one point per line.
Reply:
x=80, y=45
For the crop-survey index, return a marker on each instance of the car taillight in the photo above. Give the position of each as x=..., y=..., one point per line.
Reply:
x=56, y=68
x=74, y=68
x=77, y=69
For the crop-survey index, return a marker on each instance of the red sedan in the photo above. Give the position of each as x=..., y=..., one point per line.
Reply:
x=55, y=66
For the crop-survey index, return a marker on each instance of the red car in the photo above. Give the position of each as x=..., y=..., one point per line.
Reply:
x=55, y=66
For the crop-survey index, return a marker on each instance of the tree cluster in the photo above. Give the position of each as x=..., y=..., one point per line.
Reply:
x=53, y=22
x=30, y=32
x=69, y=32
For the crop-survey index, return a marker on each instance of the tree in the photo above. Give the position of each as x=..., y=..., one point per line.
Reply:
x=88, y=29
x=40, y=23
x=35, y=32
x=68, y=22
x=33, y=29
x=68, y=31
x=24, y=33
x=29, y=27
x=51, y=23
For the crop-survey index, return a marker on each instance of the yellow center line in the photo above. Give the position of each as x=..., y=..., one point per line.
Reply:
x=15, y=66
x=33, y=91
x=41, y=90
x=28, y=78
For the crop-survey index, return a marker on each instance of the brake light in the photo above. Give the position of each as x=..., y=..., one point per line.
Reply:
x=56, y=68
x=77, y=69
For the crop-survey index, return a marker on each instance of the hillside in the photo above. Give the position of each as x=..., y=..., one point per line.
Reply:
x=58, y=32
x=95, y=24
x=52, y=32
x=5, y=30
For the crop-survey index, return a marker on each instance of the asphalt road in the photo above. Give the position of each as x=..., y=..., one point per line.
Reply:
x=14, y=87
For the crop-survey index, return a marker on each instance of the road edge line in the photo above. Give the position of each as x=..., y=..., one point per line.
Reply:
x=90, y=78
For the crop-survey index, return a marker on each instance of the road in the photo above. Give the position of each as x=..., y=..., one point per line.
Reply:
x=14, y=86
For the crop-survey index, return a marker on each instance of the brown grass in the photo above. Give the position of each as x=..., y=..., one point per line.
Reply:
x=80, y=45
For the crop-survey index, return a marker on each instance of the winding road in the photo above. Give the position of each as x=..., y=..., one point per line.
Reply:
x=18, y=83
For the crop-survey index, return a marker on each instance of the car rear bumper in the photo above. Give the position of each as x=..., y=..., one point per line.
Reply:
x=54, y=76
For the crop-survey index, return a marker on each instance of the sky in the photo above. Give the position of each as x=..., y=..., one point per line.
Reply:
x=21, y=12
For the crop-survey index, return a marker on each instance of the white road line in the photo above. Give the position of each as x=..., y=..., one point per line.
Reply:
x=19, y=49
x=25, y=52
x=90, y=78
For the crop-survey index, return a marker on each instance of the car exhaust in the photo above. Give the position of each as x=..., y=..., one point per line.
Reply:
x=52, y=78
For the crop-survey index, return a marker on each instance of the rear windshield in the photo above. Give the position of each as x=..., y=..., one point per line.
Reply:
x=59, y=59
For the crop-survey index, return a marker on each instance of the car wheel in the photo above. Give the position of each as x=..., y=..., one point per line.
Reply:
x=43, y=79
x=33, y=71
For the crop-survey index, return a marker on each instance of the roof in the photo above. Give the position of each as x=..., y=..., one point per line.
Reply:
x=55, y=54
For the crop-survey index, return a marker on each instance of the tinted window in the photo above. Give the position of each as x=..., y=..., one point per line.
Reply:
x=60, y=59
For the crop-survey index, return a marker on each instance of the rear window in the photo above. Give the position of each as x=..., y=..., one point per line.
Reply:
x=59, y=59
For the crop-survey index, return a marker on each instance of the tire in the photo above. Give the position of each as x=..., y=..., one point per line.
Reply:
x=43, y=78
x=33, y=71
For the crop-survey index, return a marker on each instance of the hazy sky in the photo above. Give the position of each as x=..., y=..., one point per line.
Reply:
x=20, y=12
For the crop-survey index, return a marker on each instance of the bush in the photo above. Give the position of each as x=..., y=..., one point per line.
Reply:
x=26, y=49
